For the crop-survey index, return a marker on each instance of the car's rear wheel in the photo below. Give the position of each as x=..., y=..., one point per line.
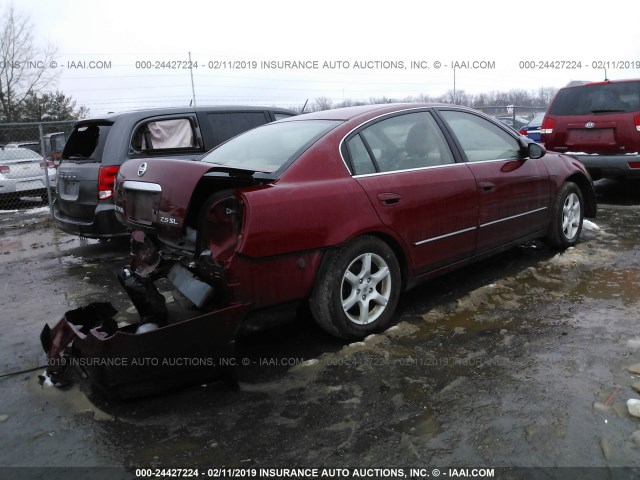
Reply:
x=357, y=289
x=567, y=217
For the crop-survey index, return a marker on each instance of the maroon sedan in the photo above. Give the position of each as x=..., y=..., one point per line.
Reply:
x=345, y=209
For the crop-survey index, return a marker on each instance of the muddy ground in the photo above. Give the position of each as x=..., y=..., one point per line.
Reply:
x=521, y=360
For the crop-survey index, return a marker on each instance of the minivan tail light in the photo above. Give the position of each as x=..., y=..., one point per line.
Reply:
x=636, y=120
x=107, y=181
x=547, y=126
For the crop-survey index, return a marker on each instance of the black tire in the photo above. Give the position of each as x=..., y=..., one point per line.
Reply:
x=566, y=218
x=372, y=294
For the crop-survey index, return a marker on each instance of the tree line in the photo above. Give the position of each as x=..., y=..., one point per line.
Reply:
x=534, y=99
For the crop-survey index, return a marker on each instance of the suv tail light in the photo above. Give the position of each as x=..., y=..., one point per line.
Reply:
x=636, y=120
x=107, y=181
x=547, y=126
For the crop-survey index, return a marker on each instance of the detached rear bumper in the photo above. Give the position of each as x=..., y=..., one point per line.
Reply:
x=126, y=364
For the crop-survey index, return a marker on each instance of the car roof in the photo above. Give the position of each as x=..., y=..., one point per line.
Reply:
x=604, y=82
x=349, y=113
x=143, y=113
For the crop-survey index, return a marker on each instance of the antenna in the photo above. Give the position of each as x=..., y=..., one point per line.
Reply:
x=193, y=90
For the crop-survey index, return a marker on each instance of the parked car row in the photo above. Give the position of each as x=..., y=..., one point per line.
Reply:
x=23, y=174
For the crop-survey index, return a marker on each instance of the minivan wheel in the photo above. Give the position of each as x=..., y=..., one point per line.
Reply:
x=357, y=289
x=567, y=217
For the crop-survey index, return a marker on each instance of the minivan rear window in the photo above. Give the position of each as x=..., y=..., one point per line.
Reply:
x=226, y=125
x=86, y=142
x=601, y=98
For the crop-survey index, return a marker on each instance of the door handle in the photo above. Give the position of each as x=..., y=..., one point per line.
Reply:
x=487, y=186
x=389, y=198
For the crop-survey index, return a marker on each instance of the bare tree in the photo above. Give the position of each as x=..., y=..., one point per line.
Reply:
x=24, y=68
x=321, y=103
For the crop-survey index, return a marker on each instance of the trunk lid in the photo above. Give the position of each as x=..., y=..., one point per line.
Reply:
x=159, y=196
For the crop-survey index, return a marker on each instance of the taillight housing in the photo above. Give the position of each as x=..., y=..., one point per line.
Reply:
x=5, y=169
x=107, y=181
x=636, y=120
x=48, y=163
x=522, y=131
x=547, y=126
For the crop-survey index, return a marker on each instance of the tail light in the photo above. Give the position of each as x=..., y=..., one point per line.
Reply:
x=547, y=126
x=636, y=120
x=107, y=181
x=48, y=163
x=522, y=131
x=4, y=169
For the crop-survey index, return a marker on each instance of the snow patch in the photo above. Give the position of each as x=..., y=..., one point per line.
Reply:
x=590, y=226
x=47, y=380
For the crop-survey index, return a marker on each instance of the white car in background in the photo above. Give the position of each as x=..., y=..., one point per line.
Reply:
x=22, y=174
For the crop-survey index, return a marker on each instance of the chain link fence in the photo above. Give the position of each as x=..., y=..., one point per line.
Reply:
x=512, y=115
x=28, y=152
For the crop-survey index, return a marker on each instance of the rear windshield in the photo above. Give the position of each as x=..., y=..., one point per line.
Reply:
x=601, y=98
x=267, y=148
x=86, y=142
x=18, y=154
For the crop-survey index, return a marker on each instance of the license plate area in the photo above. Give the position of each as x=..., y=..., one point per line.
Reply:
x=31, y=185
x=142, y=206
x=68, y=189
x=591, y=136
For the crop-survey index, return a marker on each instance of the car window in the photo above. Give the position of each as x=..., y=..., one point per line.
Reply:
x=408, y=141
x=164, y=135
x=18, y=154
x=269, y=147
x=480, y=139
x=86, y=142
x=280, y=116
x=360, y=158
x=226, y=125
x=602, y=98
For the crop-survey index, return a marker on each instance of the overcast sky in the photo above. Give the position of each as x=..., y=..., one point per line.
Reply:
x=375, y=41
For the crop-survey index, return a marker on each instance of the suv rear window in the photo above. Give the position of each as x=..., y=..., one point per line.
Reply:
x=600, y=98
x=86, y=142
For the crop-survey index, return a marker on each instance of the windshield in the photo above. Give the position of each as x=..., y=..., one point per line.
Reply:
x=601, y=98
x=267, y=148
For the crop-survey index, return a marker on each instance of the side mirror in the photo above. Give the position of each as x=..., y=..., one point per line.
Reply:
x=535, y=150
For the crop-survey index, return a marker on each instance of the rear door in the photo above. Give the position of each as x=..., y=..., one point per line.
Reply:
x=513, y=192
x=411, y=178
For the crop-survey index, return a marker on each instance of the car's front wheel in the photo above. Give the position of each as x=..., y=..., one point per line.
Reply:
x=567, y=217
x=357, y=290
